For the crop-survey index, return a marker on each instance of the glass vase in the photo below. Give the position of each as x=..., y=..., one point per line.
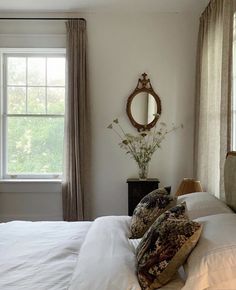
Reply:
x=143, y=171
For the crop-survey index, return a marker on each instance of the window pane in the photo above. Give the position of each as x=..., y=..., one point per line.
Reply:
x=56, y=100
x=16, y=100
x=36, y=71
x=16, y=71
x=36, y=100
x=35, y=145
x=56, y=71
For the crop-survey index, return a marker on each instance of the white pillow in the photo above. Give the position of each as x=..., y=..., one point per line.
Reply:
x=201, y=204
x=212, y=264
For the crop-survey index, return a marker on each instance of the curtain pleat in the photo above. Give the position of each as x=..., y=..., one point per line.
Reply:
x=74, y=186
x=213, y=95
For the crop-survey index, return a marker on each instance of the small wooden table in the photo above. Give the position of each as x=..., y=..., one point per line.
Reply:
x=137, y=189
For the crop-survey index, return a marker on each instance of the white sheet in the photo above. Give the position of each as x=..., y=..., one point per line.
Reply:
x=39, y=255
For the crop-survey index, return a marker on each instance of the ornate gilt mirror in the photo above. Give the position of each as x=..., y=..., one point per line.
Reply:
x=143, y=106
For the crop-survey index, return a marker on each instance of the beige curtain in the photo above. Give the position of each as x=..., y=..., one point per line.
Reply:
x=76, y=123
x=213, y=95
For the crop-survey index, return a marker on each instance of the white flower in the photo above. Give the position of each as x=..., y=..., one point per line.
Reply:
x=142, y=146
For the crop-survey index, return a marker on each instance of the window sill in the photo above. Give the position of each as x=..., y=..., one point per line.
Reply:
x=30, y=181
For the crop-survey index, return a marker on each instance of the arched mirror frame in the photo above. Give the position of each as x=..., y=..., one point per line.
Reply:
x=144, y=85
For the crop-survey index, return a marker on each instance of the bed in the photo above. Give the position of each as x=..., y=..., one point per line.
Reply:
x=99, y=255
x=39, y=255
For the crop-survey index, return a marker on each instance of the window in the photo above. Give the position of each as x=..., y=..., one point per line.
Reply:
x=33, y=115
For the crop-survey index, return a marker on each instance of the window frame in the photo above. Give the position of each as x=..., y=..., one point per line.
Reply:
x=4, y=53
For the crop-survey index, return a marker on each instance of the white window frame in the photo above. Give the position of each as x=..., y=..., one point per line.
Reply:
x=4, y=52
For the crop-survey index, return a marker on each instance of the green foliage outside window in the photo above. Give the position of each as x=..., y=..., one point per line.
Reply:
x=35, y=86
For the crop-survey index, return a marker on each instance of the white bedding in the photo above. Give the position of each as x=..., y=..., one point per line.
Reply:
x=201, y=204
x=39, y=255
x=46, y=255
x=107, y=258
x=88, y=255
x=212, y=265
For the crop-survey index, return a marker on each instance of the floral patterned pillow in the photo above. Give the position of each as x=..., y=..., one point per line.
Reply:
x=148, y=209
x=176, y=212
x=165, y=247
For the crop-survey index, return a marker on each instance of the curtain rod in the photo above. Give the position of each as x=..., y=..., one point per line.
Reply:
x=22, y=18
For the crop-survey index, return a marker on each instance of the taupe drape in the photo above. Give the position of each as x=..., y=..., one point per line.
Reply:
x=213, y=95
x=76, y=122
x=230, y=177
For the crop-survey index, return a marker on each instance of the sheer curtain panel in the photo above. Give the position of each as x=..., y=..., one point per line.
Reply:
x=76, y=123
x=213, y=95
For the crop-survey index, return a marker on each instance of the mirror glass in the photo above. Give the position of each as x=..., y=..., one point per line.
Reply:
x=143, y=108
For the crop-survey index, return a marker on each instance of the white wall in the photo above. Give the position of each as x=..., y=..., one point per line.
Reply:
x=120, y=48
x=30, y=201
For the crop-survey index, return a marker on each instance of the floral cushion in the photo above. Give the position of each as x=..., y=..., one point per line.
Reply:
x=148, y=209
x=176, y=212
x=165, y=247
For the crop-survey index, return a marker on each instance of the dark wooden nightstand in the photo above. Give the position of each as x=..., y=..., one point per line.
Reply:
x=137, y=189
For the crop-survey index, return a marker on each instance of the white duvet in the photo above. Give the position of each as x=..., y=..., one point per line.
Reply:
x=39, y=255
x=107, y=258
x=107, y=263
x=74, y=256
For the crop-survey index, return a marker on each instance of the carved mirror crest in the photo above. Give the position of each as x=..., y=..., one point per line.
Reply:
x=144, y=105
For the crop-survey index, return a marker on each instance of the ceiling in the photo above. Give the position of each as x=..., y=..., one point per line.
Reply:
x=195, y=6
